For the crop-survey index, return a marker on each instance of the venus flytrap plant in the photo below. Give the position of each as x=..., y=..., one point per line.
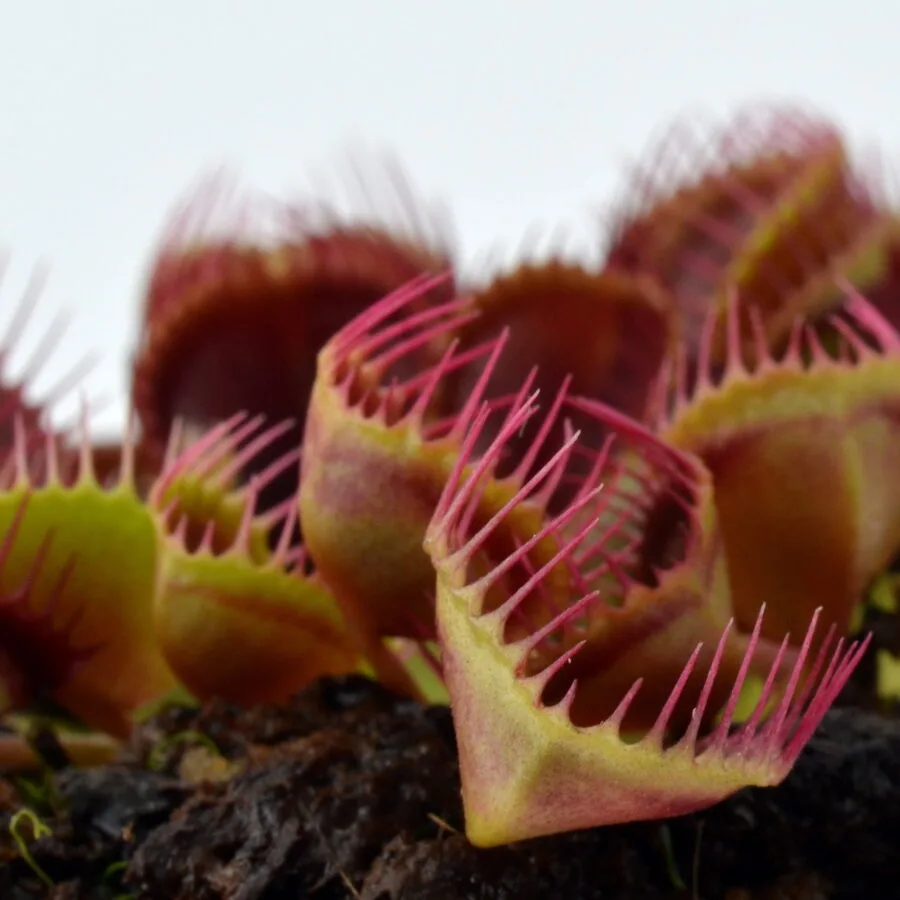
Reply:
x=197, y=598
x=242, y=294
x=805, y=460
x=536, y=755
x=378, y=450
x=44, y=644
x=234, y=618
x=98, y=564
x=616, y=580
x=767, y=203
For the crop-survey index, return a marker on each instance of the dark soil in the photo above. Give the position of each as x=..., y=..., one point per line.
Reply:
x=349, y=792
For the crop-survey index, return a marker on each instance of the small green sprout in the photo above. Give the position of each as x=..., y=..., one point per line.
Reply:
x=39, y=830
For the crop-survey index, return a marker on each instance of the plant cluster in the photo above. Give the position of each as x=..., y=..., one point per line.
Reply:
x=623, y=517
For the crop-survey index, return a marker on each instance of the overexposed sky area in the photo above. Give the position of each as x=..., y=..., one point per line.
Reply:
x=518, y=114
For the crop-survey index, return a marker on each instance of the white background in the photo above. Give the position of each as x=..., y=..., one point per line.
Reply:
x=518, y=113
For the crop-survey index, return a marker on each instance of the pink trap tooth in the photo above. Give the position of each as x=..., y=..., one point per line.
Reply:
x=254, y=448
x=394, y=342
x=661, y=725
x=487, y=463
x=177, y=462
x=720, y=733
x=353, y=332
x=465, y=476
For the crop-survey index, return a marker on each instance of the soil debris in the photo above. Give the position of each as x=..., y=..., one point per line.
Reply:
x=350, y=793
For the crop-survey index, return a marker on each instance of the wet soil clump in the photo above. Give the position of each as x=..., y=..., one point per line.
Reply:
x=350, y=792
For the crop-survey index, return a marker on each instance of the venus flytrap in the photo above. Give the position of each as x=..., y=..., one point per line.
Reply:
x=64, y=634
x=102, y=542
x=378, y=450
x=804, y=456
x=243, y=292
x=636, y=602
x=112, y=602
x=540, y=713
x=767, y=203
x=235, y=618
